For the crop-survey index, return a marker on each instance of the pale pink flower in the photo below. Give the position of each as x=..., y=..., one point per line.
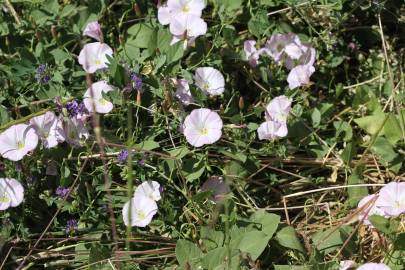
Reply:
x=275, y=47
x=142, y=211
x=210, y=81
x=187, y=28
x=46, y=128
x=369, y=210
x=149, y=189
x=93, y=56
x=94, y=94
x=300, y=75
x=202, y=126
x=183, y=92
x=164, y=15
x=11, y=193
x=252, y=54
x=374, y=266
x=72, y=130
x=307, y=57
x=186, y=7
x=278, y=109
x=391, y=199
x=93, y=29
x=17, y=141
x=347, y=264
x=271, y=130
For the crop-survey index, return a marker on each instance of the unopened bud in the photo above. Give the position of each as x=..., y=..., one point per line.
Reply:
x=241, y=103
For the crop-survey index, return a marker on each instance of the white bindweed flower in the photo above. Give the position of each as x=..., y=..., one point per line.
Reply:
x=93, y=56
x=149, y=189
x=306, y=57
x=278, y=109
x=11, y=193
x=276, y=46
x=252, y=54
x=299, y=76
x=164, y=15
x=186, y=7
x=271, y=130
x=210, y=81
x=187, y=28
x=72, y=130
x=142, y=211
x=17, y=141
x=46, y=128
x=93, y=29
x=368, y=207
x=391, y=199
x=374, y=266
x=94, y=94
x=347, y=264
x=183, y=92
x=202, y=126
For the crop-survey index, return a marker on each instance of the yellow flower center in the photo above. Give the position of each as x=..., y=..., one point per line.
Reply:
x=141, y=215
x=185, y=8
x=98, y=62
x=4, y=199
x=102, y=101
x=204, y=131
x=20, y=145
x=206, y=86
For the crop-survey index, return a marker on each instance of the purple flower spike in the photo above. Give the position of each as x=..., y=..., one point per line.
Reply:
x=42, y=75
x=136, y=81
x=62, y=191
x=71, y=226
x=122, y=156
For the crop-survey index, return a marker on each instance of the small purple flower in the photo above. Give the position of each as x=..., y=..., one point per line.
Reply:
x=122, y=156
x=141, y=162
x=161, y=189
x=62, y=191
x=42, y=75
x=136, y=81
x=71, y=226
x=75, y=108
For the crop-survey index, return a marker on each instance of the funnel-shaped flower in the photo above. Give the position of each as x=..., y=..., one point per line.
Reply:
x=183, y=92
x=93, y=56
x=392, y=199
x=149, y=189
x=93, y=29
x=142, y=211
x=278, y=109
x=11, y=193
x=17, y=141
x=46, y=128
x=210, y=80
x=368, y=207
x=271, y=130
x=374, y=266
x=94, y=94
x=202, y=126
x=299, y=76
x=187, y=28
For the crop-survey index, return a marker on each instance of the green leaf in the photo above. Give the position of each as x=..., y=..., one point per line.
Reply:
x=193, y=169
x=259, y=23
x=316, y=117
x=175, y=52
x=287, y=237
x=392, y=129
x=254, y=243
x=99, y=253
x=371, y=124
x=214, y=258
x=179, y=152
x=355, y=194
x=384, y=225
x=384, y=149
x=187, y=253
x=147, y=145
x=140, y=34
x=399, y=243
x=348, y=152
x=268, y=222
x=211, y=238
x=291, y=267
